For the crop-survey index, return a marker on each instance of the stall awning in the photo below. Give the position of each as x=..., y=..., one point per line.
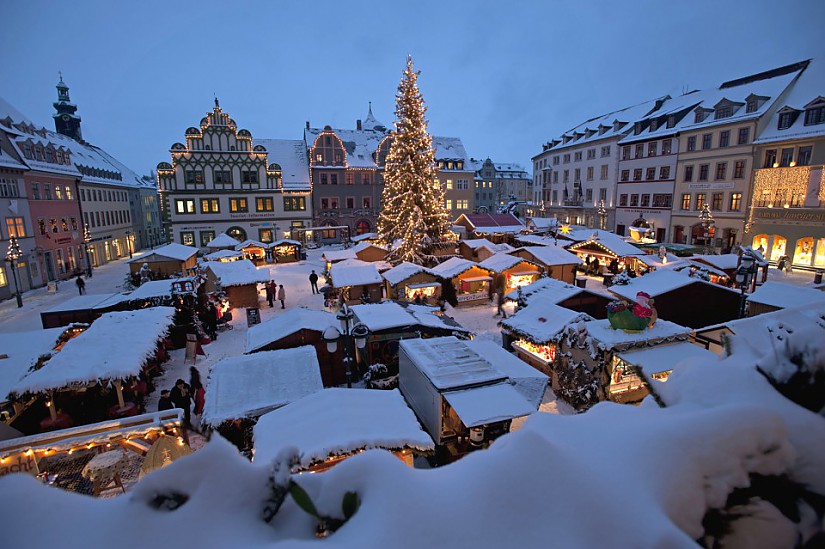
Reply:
x=476, y=278
x=488, y=404
x=524, y=273
x=423, y=285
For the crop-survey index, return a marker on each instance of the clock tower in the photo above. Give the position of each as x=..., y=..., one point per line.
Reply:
x=66, y=122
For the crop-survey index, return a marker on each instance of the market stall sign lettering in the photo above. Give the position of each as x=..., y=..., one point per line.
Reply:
x=789, y=215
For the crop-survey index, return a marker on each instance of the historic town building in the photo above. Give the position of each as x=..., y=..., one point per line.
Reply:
x=787, y=208
x=220, y=182
x=498, y=184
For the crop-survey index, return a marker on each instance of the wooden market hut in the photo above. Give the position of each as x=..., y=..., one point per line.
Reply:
x=224, y=255
x=470, y=283
x=564, y=295
x=80, y=308
x=253, y=250
x=239, y=279
x=683, y=299
x=605, y=247
x=555, y=261
x=496, y=227
x=357, y=281
x=406, y=280
x=542, y=225
x=165, y=261
x=86, y=380
x=285, y=251
x=331, y=425
x=222, y=242
x=479, y=249
x=298, y=328
x=515, y=271
x=773, y=296
x=240, y=389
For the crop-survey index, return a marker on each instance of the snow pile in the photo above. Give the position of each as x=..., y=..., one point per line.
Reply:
x=336, y=422
x=250, y=385
x=237, y=273
x=779, y=294
x=116, y=346
x=20, y=351
x=286, y=324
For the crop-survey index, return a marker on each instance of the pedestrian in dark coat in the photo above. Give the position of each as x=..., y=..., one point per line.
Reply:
x=165, y=402
x=182, y=399
x=81, y=285
x=281, y=296
x=269, y=296
x=313, y=282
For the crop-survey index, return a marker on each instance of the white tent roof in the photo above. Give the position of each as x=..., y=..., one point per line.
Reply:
x=175, y=251
x=22, y=351
x=251, y=385
x=336, y=422
x=223, y=240
x=283, y=325
x=488, y=404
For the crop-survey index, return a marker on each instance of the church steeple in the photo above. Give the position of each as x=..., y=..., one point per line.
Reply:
x=66, y=122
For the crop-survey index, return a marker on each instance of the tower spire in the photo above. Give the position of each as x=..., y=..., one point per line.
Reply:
x=66, y=121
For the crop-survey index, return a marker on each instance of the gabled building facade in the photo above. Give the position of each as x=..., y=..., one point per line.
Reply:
x=499, y=184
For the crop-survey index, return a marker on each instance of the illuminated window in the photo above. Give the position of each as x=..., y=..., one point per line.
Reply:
x=184, y=206
x=187, y=238
x=264, y=204
x=449, y=184
x=237, y=205
x=735, y=202
x=210, y=205
x=449, y=204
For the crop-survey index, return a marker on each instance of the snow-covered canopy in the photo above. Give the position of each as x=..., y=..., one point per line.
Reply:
x=779, y=294
x=237, y=273
x=251, y=385
x=661, y=358
x=248, y=243
x=608, y=338
x=150, y=289
x=336, y=422
x=529, y=382
x=552, y=255
x=724, y=262
x=403, y=271
x=333, y=256
x=223, y=240
x=542, y=321
x=478, y=406
x=286, y=324
x=177, y=252
x=554, y=290
x=284, y=242
x=85, y=302
x=20, y=351
x=115, y=347
x=660, y=282
x=538, y=240
x=500, y=262
x=223, y=254
x=478, y=243
x=365, y=236
x=354, y=272
x=389, y=315
x=453, y=267
x=450, y=363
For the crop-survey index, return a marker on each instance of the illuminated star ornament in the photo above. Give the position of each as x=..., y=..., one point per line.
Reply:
x=565, y=229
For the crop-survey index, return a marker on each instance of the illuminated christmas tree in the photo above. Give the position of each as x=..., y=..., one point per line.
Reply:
x=414, y=213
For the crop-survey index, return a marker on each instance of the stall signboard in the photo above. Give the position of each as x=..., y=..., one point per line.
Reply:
x=472, y=297
x=253, y=316
x=22, y=462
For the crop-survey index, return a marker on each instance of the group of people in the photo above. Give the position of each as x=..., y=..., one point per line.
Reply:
x=183, y=395
x=273, y=292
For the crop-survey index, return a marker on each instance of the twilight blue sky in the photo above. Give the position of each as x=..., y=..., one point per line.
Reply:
x=505, y=76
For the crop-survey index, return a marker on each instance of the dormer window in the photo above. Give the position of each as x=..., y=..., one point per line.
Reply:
x=671, y=121
x=459, y=165
x=654, y=125
x=752, y=105
x=815, y=115
x=786, y=119
x=701, y=114
x=723, y=112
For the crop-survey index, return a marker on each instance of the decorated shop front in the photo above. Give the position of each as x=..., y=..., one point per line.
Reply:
x=471, y=282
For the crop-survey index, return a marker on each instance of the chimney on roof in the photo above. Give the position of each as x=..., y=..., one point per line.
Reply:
x=307, y=124
x=358, y=124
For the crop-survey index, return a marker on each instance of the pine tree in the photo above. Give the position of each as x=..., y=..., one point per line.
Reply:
x=413, y=200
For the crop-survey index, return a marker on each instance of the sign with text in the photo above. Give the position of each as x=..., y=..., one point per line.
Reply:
x=789, y=214
x=709, y=186
x=253, y=316
x=21, y=462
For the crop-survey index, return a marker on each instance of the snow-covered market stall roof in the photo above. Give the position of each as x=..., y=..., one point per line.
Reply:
x=21, y=351
x=223, y=254
x=338, y=422
x=333, y=256
x=174, y=251
x=660, y=282
x=723, y=262
x=542, y=321
x=284, y=242
x=223, y=240
x=781, y=295
x=552, y=255
x=450, y=364
x=365, y=236
x=554, y=290
x=608, y=338
x=488, y=404
x=237, y=273
x=249, y=243
x=86, y=302
x=403, y=271
x=391, y=315
x=115, y=347
x=251, y=385
x=663, y=358
x=353, y=272
x=478, y=243
x=454, y=267
x=609, y=244
x=286, y=324
x=528, y=381
x=154, y=289
x=500, y=262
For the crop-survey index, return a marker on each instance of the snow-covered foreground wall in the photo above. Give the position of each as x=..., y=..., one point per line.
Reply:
x=615, y=476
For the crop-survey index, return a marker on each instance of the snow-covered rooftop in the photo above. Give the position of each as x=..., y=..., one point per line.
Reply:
x=283, y=325
x=661, y=358
x=554, y=290
x=291, y=155
x=453, y=267
x=20, y=351
x=779, y=294
x=542, y=320
x=601, y=331
x=152, y=288
x=388, y=315
x=543, y=222
x=488, y=404
x=115, y=347
x=359, y=145
x=365, y=236
x=249, y=243
x=81, y=303
x=333, y=256
x=336, y=422
x=237, y=273
x=808, y=87
x=222, y=254
x=552, y=255
x=284, y=242
x=403, y=271
x=660, y=282
x=611, y=241
x=251, y=385
x=223, y=240
x=449, y=363
x=175, y=251
x=724, y=262
x=528, y=381
x=354, y=272
x=501, y=261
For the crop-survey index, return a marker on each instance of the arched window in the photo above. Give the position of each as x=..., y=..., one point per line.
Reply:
x=804, y=251
x=760, y=243
x=237, y=233
x=778, y=247
x=363, y=227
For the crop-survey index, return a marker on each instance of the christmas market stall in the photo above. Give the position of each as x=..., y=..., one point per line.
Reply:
x=239, y=279
x=240, y=389
x=331, y=425
x=498, y=228
x=470, y=283
x=297, y=328
x=253, y=250
x=160, y=293
x=555, y=261
x=564, y=295
x=412, y=283
x=165, y=261
x=79, y=309
x=515, y=271
x=224, y=255
x=285, y=251
x=463, y=398
x=600, y=248
x=366, y=237
x=101, y=373
x=773, y=296
x=222, y=242
x=479, y=249
x=363, y=251
x=99, y=459
x=533, y=332
x=355, y=281
x=542, y=225
x=683, y=299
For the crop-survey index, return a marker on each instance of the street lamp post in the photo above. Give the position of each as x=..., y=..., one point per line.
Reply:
x=602, y=214
x=348, y=332
x=706, y=219
x=747, y=269
x=87, y=237
x=12, y=255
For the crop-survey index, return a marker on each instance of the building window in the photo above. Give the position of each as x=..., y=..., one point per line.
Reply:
x=639, y=152
x=735, y=202
x=770, y=158
x=58, y=192
x=700, y=200
x=662, y=200
x=333, y=179
x=786, y=120
x=605, y=152
x=704, y=169
x=691, y=143
x=721, y=170
x=815, y=116
x=566, y=176
x=651, y=148
x=367, y=202
x=651, y=174
x=3, y=280
x=207, y=237
x=238, y=205
x=449, y=184
x=803, y=156
x=602, y=194
x=578, y=156
x=265, y=235
x=637, y=174
x=556, y=160
x=68, y=193
x=591, y=154
x=249, y=179
x=193, y=178
x=323, y=179
x=350, y=202
x=645, y=201
x=724, y=138
x=567, y=158
x=716, y=201
x=664, y=172
x=685, y=201
x=634, y=200
x=590, y=173
x=15, y=227
x=295, y=204
x=36, y=191
x=723, y=112
x=184, y=206
x=187, y=238
x=588, y=195
x=688, y=173
x=626, y=152
x=223, y=178
x=666, y=147
x=462, y=204
x=744, y=135
x=449, y=204
x=707, y=141
x=578, y=175
x=264, y=204
x=739, y=169
x=786, y=158
x=604, y=172
x=210, y=205
x=623, y=200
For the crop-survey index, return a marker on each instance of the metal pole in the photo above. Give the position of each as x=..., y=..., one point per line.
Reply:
x=347, y=358
x=16, y=286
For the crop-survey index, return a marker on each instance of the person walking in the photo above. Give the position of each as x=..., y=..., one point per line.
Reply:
x=313, y=281
x=198, y=390
x=81, y=285
x=269, y=296
x=182, y=399
x=500, y=302
x=165, y=402
x=281, y=296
